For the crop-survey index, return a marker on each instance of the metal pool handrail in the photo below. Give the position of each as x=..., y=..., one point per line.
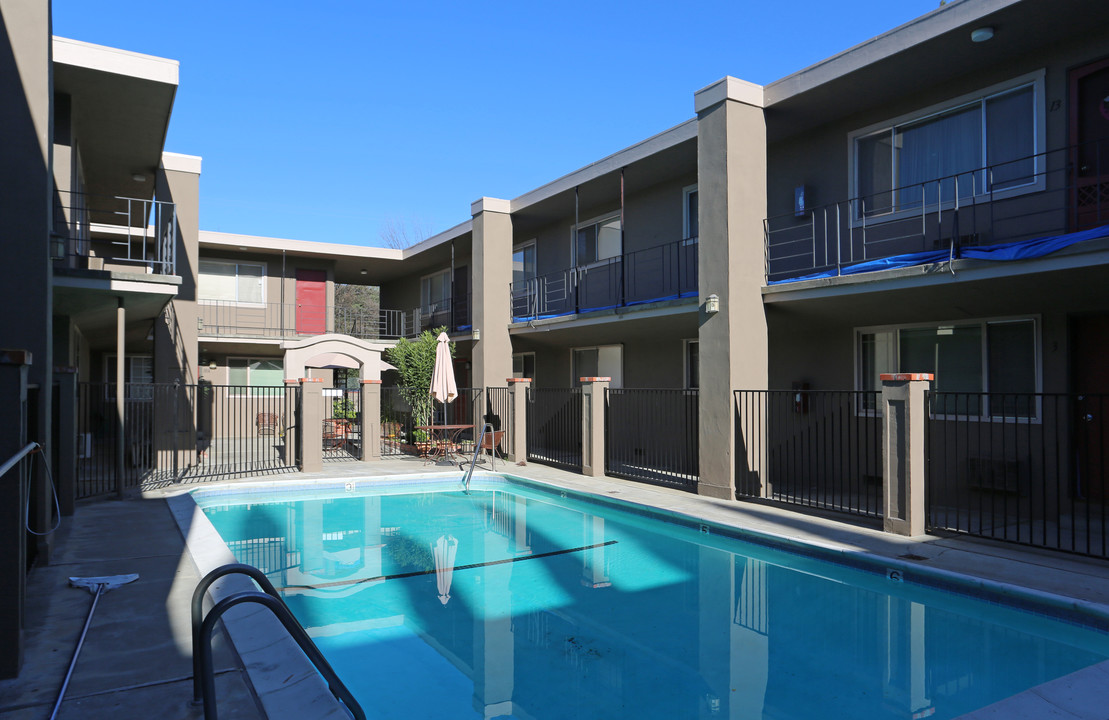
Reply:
x=24, y=452
x=203, y=668
x=477, y=451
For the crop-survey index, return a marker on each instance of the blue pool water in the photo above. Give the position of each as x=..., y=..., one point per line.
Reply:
x=559, y=607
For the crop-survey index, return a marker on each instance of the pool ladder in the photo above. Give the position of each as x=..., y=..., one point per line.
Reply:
x=204, y=681
x=469, y=473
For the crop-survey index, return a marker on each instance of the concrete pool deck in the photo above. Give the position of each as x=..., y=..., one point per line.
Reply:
x=136, y=659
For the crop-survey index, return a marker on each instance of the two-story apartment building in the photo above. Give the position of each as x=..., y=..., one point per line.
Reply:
x=932, y=200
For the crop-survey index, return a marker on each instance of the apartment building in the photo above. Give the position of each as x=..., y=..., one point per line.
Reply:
x=931, y=201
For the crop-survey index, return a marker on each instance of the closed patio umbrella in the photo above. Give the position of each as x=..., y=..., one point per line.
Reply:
x=443, y=387
x=444, y=551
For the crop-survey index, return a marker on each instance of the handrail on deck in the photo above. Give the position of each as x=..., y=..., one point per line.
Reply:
x=204, y=681
x=22, y=453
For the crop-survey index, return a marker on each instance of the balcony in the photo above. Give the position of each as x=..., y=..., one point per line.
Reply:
x=1039, y=196
x=664, y=272
x=224, y=319
x=114, y=233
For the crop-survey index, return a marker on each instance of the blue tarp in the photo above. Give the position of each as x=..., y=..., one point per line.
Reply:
x=1023, y=250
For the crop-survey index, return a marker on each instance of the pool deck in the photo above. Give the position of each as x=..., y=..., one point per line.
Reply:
x=136, y=660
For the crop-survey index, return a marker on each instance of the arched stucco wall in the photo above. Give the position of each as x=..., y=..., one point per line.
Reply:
x=332, y=349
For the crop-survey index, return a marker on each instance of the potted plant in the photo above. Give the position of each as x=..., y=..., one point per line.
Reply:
x=422, y=442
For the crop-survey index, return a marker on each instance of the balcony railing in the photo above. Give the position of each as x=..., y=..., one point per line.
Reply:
x=1036, y=196
x=220, y=318
x=93, y=231
x=660, y=273
x=451, y=313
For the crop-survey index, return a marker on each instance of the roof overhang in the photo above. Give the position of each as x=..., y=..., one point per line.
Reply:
x=121, y=104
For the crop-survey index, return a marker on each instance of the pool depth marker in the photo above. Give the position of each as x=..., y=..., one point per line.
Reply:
x=416, y=573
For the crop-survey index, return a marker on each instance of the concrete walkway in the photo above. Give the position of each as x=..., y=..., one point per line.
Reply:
x=136, y=659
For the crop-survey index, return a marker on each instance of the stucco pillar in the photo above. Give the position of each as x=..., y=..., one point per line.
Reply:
x=518, y=430
x=593, y=425
x=291, y=448
x=904, y=413
x=310, y=425
x=492, y=276
x=731, y=184
x=14, y=365
x=371, y=420
x=65, y=445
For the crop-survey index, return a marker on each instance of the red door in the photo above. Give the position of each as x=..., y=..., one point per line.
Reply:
x=311, y=302
x=1091, y=382
x=1089, y=136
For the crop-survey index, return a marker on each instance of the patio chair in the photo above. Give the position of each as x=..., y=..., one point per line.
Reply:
x=492, y=442
x=268, y=423
x=334, y=433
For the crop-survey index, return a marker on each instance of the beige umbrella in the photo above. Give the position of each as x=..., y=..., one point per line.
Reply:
x=444, y=551
x=443, y=387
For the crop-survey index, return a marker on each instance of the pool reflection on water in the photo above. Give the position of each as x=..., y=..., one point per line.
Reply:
x=512, y=602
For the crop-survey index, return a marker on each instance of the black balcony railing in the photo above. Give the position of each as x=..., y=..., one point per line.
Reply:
x=220, y=318
x=452, y=313
x=659, y=273
x=1037, y=196
x=91, y=231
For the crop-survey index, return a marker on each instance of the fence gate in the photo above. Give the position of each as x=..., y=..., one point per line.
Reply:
x=651, y=436
x=554, y=427
x=180, y=433
x=342, y=425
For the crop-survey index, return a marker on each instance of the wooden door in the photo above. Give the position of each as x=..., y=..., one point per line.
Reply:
x=1090, y=343
x=1089, y=138
x=311, y=295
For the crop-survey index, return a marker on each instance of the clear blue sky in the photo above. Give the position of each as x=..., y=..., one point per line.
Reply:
x=328, y=120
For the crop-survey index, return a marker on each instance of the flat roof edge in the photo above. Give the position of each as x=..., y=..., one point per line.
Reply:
x=113, y=60
x=667, y=138
x=234, y=241
x=877, y=49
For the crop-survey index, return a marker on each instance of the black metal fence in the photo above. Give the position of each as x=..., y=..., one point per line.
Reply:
x=397, y=423
x=554, y=426
x=403, y=433
x=651, y=436
x=1029, y=468
x=820, y=449
x=175, y=433
x=498, y=413
x=342, y=424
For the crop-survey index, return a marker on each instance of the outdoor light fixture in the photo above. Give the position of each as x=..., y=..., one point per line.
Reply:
x=138, y=177
x=477, y=334
x=712, y=305
x=981, y=34
x=363, y=271
x=211, y=364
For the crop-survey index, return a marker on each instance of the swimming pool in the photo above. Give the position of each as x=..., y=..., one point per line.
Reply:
x=516, y=602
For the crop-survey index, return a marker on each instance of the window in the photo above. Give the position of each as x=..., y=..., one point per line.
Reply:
x=690, y=226
x=692, y=372
x=598, y=240
x=232, y=282
x=523, y=365
x=523, y=263
x=994, y=356
x=259, y=374
x=435, y=292
x=601, y=361
x=979, y=145
x=138, y=374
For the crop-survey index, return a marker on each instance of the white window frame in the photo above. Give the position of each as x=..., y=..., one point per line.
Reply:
x=232, y=390
x=132, y=391
x=598, y=221
x=984, y=323
x=686, y=365
x=521, y=355
x=235, y=263
x=686, y=192
x=531, y=243
x=426, y=305
x=1039, y=134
